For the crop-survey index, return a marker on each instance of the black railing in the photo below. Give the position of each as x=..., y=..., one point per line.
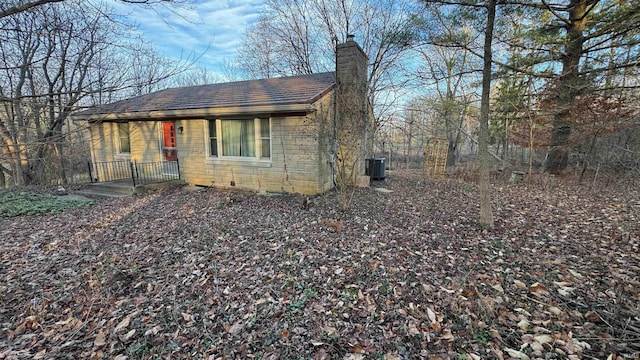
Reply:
x=138, y=173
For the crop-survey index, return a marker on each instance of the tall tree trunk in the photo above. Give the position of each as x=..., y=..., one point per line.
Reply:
x=568, y=86
x=486, y=214
x=3, y=179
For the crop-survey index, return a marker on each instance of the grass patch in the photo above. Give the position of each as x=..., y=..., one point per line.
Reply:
x=28, y=203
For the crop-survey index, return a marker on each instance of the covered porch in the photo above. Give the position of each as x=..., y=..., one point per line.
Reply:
x=124, y=177
x=134, y=172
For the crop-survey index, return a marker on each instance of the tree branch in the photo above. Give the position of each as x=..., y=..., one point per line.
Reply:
x=24, y=7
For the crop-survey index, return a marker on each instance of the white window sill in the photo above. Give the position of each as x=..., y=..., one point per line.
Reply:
x=123, y=156
x=239, y=162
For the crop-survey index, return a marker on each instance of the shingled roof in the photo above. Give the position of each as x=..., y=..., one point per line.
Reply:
x=302, y=89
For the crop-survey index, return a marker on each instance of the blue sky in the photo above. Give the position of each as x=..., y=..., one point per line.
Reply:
x=216, y=25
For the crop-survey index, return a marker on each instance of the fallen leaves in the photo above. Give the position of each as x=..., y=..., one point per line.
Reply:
x=100, y=340
x=407, y=276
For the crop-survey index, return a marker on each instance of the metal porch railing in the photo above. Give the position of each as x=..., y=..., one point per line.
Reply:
x=139, y=173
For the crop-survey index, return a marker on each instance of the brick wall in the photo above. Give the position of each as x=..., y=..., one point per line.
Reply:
x=298, y=157
x=352, y=124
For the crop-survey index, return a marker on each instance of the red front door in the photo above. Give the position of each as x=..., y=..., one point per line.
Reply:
x=169, y=147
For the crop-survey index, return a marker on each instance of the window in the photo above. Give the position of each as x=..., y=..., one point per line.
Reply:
x=123, y=136
x=213, y=139
x=265, y=139
x=240, y=138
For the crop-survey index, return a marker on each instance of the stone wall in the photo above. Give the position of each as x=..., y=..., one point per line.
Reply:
x=308, y=142
x=296, y=164
x=300, y=147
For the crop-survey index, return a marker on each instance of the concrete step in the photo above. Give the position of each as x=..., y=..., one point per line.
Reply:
x=97, y=194
x=124, y=189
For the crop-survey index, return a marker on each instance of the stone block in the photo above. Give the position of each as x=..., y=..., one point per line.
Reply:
x=363, y=181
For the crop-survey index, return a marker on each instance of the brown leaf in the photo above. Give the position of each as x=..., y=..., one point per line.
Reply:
x=153, y=331
x=99, y=341
x=235, y=328
x=543, y=339
x=436, y=327
x=517, y=354
x=592, y=316
x=321, y=354
x=520, y=285
x=431, y=315
x=391, y=356
x=187, y=317
x=128, y=335
x=122, y=324
x=538, y=290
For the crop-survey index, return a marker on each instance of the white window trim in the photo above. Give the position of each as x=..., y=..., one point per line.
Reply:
x=257, y=160
x=259, y=139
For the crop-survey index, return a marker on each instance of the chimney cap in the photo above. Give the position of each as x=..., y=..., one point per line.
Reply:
x=350, y=37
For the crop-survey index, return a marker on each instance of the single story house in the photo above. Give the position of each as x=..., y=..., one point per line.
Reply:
x=284, y=134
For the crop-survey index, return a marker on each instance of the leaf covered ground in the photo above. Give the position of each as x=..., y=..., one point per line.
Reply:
x=409, y=274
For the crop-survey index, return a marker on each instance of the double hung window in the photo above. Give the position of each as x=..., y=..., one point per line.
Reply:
x=240, y=138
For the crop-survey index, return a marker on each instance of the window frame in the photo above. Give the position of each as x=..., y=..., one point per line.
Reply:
x=261, y=138
x=210, y=153
x=119, y=126
x=257, y=134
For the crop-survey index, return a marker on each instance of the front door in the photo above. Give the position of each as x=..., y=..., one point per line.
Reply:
x=169, y=147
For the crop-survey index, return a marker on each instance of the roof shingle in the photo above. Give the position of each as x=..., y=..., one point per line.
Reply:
x=302, y=89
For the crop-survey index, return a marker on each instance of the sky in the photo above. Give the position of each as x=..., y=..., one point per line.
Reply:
x=210, y=30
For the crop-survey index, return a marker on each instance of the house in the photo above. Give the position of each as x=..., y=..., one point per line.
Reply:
x=288, y=134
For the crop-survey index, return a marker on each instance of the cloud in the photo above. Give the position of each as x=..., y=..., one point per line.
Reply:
x=213, y=29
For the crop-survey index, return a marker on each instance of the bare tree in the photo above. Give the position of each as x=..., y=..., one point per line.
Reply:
x=53, y=60
x=479, y=14
x=299, y=37
x=450, y=71
x=486, y=214
x=12, y=7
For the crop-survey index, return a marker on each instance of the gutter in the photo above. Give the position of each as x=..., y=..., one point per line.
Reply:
x=196, y=113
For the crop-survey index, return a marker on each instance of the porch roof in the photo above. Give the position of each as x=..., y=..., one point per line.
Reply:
x=293, y=93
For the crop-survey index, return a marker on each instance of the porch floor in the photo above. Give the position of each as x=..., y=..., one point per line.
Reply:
x=123, y=188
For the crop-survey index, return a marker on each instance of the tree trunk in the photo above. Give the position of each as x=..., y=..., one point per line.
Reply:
x=486, y=214
x=568, y=87
x=451, y=153
x=3, y=180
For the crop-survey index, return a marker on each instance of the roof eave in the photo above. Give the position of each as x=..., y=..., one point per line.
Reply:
x=198, y=113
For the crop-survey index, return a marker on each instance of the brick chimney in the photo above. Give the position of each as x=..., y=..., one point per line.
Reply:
x=353, y=127
x=351, y=67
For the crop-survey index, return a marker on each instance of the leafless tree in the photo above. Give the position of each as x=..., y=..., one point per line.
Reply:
x=451, y=72
x=299, y=37
x=54, y=59
x=12, y=7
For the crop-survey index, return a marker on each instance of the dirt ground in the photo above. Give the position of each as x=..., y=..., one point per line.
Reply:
x=407, y=274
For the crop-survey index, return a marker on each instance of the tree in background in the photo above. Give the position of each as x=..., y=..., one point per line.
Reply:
x=299, y=37
x=480, y=15
x=12, y=7
x=448, y=72
x=54, y=59
x=579, y=48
